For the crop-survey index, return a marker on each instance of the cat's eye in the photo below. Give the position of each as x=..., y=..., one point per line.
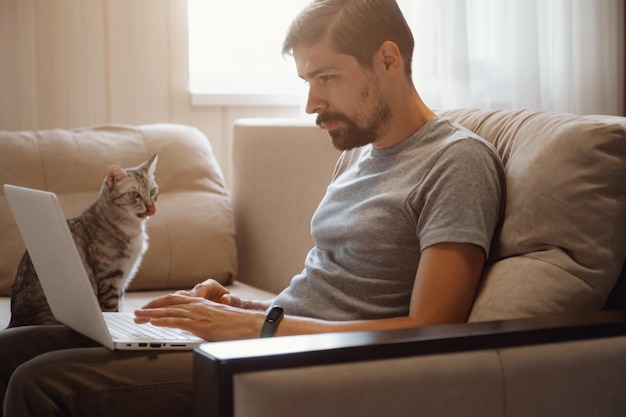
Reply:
x=134, y=194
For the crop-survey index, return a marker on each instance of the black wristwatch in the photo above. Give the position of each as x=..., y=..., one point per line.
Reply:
x=273, y=317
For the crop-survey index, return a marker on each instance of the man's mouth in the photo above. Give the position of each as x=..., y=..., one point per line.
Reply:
x=328, y=125
x=320, y=122
x=328, y=121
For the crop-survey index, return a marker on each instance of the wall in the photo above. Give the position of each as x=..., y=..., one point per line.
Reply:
x=73, y=63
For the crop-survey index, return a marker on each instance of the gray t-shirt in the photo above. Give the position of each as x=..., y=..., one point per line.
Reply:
x=443, y=184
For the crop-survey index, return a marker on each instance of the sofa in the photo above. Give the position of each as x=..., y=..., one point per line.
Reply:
x=191, y=236
x=547, y=332
x=545, y=335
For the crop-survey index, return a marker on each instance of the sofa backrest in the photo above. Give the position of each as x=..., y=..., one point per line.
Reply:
x=192, y=235
x=563, y=238
x=281, y=168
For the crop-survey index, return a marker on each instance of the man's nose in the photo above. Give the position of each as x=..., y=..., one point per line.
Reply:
x=315, y=103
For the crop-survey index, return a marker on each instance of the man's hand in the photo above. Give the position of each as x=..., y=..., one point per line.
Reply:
x=213, y=291
x=205, y=318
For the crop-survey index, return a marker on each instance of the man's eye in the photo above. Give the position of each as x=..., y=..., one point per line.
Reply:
x=325, y=78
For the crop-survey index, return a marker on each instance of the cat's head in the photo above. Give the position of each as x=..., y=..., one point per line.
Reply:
x=133, y=189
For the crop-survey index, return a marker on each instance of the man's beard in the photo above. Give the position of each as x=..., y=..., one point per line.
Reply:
x=350, y=135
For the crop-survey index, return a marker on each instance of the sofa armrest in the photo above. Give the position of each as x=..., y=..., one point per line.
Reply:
x=217, y=364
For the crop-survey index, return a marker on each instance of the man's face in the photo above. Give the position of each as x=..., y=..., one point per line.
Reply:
x=346, y=97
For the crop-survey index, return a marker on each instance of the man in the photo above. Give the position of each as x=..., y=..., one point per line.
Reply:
x=401, y=236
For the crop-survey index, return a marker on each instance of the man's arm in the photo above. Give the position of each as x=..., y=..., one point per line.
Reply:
x=445, y=284
x=444, y=289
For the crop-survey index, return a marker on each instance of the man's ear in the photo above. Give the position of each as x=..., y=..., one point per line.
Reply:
x=390, y=57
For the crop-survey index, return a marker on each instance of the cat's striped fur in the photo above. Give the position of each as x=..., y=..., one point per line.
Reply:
x=111, y=238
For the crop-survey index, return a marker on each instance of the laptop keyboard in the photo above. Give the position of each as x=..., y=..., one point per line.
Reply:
x=122, y=326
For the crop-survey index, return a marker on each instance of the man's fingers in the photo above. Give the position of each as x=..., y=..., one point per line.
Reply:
x=170, y=299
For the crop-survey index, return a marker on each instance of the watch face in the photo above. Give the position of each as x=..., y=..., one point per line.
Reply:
x=274, y=315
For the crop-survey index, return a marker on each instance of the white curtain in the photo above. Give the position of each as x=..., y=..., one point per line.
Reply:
x=557, y=55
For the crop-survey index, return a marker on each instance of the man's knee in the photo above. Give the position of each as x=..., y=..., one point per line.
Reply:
x=35, y=388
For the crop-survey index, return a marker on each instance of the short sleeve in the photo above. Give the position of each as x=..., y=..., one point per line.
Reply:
x=462, y=196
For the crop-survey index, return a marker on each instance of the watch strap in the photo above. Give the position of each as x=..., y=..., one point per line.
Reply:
x=272, y=319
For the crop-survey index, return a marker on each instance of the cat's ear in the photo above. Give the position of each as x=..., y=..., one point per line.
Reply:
x=115, y=174
x=150, y=165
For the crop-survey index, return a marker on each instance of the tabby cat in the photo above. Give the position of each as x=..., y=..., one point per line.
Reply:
x=111, y=238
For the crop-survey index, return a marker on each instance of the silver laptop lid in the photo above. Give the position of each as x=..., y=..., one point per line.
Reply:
x=57, y=262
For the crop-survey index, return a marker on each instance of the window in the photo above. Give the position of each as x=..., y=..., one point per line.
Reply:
x=235, y=52
x=554, y=55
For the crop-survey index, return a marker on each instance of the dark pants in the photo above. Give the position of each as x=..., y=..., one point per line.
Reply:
x=54, y=371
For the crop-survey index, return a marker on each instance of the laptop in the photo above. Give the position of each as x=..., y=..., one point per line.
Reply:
x=65, y=282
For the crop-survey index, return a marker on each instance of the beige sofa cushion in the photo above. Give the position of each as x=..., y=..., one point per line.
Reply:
x=562, y=241
x=273, y=210
x=192, y=235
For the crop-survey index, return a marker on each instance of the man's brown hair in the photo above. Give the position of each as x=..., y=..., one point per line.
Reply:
x=357, y=28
